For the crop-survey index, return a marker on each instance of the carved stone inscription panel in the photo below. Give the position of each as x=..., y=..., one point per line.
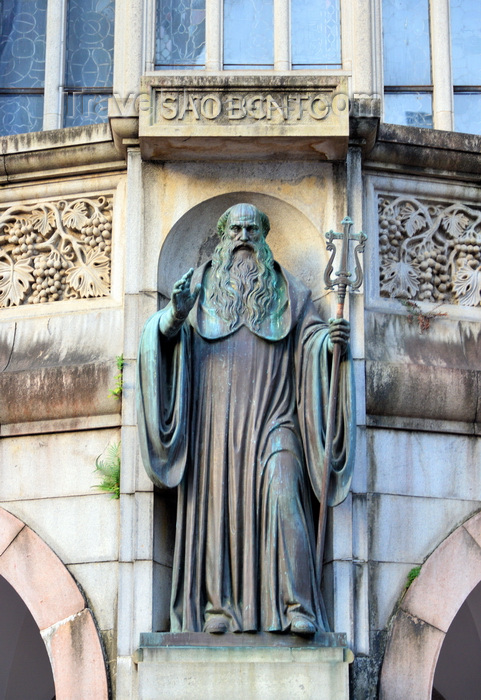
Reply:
x=429, y=250
x=171, y=107
x=55, y=250
x=250, y=107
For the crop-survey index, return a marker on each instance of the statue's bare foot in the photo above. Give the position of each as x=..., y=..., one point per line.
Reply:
x=302, y=626
x=216, y=625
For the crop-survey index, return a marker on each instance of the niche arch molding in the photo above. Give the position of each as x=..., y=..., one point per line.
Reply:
x=297, y=244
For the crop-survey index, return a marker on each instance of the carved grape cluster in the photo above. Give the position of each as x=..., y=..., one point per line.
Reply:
x=50, y=279
x=390, y=235
x=21, y=238
x=436, y=282
x=98, y=233
x=429, y=251
x=51, y=251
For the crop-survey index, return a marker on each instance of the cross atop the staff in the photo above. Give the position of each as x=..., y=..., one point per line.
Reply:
x=343, y=278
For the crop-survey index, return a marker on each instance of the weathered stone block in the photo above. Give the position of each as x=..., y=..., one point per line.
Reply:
x=405, y=529
x=243, y=673
x=73, y=541
x=98, y=581
x=422, y=464
x=63, y=464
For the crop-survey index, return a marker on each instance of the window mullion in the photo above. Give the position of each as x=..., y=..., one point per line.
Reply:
x=129, y=51
x=282, y=52
x=148, y=33
x=443, y=105
x=54, y=64
x=213, y=35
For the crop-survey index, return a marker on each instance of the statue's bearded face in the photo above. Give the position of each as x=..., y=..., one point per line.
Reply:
x=243, y=276
x=245, y=228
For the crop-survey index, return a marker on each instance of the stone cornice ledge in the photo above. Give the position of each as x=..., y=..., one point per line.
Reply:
x=45, y=154
x=422, y=150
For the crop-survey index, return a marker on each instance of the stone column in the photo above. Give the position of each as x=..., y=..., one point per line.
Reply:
x=362, y=46
x=54, y=65
x=359, y=553
x=213, y=36
x=130, y=40
x=136, y=491
x=443, y=100
x=282, y=60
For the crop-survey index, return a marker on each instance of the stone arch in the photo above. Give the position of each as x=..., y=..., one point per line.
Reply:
x=425, y=613
x=59, y=609
x=294, y=239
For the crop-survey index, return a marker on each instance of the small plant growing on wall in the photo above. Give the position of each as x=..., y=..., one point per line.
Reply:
x=421, y=318
x=119, y=382
x=108, y=470
x=412, y=576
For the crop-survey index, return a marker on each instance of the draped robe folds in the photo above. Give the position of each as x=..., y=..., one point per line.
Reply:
x=235, y=418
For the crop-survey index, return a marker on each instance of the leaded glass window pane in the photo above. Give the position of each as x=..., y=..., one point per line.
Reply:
x=248, y=34
x=85, y=108
x=407, y=54
x=22, y=43
x=180, y=34
x=467, y=113
x=315, y=33
x=410, y=109
x=20, y=113
x=90, y=43
x=466, y=42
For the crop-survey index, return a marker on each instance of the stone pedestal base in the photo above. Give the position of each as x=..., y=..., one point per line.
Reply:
x=243, y=672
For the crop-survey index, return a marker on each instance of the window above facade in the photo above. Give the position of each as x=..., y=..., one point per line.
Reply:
x=432, y=63
x=22, y=65
x=88, y=61
x=248, y=34
x=56, y=63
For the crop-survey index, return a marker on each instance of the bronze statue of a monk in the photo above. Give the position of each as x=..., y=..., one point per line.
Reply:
x=232, y=395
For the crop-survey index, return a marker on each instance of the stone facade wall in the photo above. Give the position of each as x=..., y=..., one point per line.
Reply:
x=417, y=369
x=61, y=328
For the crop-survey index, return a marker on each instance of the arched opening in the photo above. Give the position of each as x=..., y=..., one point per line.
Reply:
x=458, y=671
x=44, y=586
x=426, y=615
x=25, y=670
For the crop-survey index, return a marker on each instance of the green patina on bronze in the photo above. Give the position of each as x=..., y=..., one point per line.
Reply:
x=233, y=387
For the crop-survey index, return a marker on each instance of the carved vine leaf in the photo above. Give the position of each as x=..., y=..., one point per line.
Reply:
x=400, y=279
x=412, y=218
x=55, y=250
x=90, y=278
x=441, y=241
x=43, y=221
x=467, y=286
x=15, y=278
x=455, y=223
x=76, y=217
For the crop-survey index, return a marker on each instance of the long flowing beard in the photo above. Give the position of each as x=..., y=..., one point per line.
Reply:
x=243, y=286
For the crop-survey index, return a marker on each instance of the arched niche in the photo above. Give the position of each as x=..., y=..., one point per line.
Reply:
x=298, y=245
x=294, y=240
x=426, y=612
x=56, y=604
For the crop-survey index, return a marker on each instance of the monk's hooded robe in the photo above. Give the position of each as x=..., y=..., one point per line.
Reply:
x=235, y=419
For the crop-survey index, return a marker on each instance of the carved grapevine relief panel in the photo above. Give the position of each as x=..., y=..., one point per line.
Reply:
x=429, y=251
x=51, y=251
